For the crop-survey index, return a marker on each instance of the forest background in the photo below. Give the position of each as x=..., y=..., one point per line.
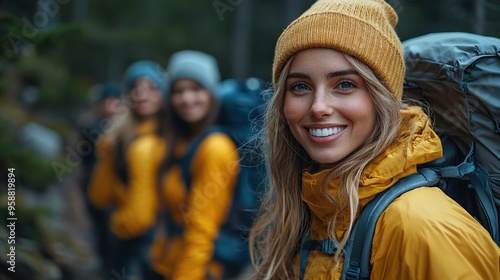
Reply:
x=54, y=52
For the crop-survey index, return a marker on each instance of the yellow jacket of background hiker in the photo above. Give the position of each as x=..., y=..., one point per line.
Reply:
x=134, y=205
x=199, y=212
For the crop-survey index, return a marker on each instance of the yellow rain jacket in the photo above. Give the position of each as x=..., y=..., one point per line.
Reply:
x=200, y=213
x=423, y=234
x=135, y=205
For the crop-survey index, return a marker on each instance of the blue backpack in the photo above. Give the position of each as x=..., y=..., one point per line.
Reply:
x=458, y=76
x=242, y=108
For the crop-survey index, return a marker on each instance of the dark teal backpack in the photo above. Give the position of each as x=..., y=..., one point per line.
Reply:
x=458, y=76
x=242, y=108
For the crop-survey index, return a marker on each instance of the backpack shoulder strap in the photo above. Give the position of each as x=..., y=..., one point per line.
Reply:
x=189, y=155
x=488, y=217
x=475, y=187
x=185, y=163
x=358, y=248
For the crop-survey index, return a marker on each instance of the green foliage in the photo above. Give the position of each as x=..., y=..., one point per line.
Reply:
x=32, y=171
x=11, y=26
x=52, y=40
x=20, y=34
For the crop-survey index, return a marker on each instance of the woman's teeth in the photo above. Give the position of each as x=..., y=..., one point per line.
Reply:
x=323, y=132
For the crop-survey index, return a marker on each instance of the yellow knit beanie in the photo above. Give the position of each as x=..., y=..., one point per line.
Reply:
x=361, y=28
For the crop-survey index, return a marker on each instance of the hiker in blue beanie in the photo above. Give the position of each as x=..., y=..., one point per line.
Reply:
x=125, y=178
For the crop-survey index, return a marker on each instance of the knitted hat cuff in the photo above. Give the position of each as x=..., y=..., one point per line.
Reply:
x=193, y=72
x=144, y=69
x=194, y=65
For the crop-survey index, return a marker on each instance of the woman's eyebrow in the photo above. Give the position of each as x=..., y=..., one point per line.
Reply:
x=342, y=73
x=298, y=76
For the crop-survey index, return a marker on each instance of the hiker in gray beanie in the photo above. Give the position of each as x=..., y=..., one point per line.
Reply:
x=198, y=201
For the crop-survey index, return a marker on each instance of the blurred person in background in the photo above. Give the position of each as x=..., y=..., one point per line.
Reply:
x=107, y=103
x=125, y=176
x=194, y=210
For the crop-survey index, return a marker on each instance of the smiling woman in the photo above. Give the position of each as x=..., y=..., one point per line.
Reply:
x=190, y=101
x=336, y=135
x=146, y=99
x=327, y=105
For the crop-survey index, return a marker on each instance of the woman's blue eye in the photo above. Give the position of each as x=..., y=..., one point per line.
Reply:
x=300, y=87
x=346, y=85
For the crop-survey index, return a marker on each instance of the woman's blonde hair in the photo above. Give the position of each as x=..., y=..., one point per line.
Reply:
x=284, y=218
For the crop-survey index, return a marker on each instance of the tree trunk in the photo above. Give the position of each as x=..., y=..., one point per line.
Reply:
x=479, y=9
x=241, y=39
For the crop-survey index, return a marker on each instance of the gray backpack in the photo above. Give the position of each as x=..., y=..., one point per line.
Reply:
x=458, y=76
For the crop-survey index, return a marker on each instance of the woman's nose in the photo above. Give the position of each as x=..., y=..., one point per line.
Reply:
x=139, y=94
x=321, y=104
x=187, y=95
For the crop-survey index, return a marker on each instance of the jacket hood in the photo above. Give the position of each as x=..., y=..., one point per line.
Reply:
x=418, y=144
